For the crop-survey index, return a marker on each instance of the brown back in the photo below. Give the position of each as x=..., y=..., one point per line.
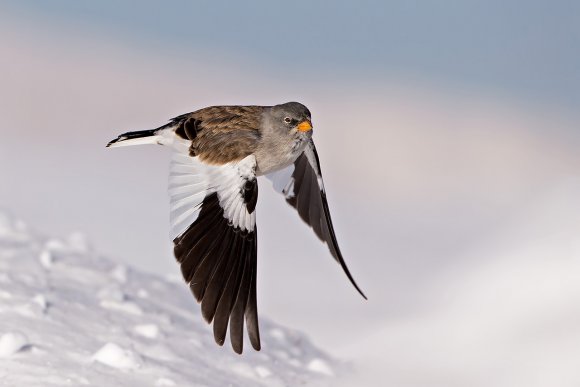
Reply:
x=221, y=134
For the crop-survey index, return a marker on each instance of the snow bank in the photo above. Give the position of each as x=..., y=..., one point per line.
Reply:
x=71, y=317
x=508, y=316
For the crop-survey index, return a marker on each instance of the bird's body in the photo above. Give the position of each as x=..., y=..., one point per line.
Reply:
x=219, y=152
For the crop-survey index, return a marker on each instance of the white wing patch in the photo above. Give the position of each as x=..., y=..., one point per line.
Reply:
x=229, y=181
x=311, y=156
x=188, y=184
x=191, y=180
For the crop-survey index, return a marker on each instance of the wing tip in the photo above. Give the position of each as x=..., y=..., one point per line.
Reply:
x=207, y=315
x=219, y=341
x=256, y=345
x=352, y=281
x=239, y=349
x=361, y=293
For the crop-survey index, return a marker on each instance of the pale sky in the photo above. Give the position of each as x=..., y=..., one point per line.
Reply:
x=525, y=49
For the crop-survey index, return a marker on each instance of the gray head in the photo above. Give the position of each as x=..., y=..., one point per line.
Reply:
x=293, y=116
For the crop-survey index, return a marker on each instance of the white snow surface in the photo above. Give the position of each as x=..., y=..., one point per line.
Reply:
x=70, y=317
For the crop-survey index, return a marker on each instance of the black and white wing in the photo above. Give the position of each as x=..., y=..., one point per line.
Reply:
x=302, y=185
x=213, y=225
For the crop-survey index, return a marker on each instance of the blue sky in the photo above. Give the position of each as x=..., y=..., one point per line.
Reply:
x=524, y=50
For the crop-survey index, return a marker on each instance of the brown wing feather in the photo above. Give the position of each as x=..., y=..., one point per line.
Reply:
x=221, y=134
x=219, y=263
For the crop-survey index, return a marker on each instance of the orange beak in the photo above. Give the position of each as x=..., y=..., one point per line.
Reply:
x=304, y=126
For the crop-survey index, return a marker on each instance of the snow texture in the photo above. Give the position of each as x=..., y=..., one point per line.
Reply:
x=11, y=343
x=69, y=317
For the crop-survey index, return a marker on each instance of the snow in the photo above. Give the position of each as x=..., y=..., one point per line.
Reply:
x=11, y=343
x=69, y=316
x=116, y=357
x=40, y=300
x=150, y=331
x=319, y=365
x=164, y=382
x=262, y=371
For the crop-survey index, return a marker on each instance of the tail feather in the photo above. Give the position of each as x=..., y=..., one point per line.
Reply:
x=151, y=136
x=134, y=138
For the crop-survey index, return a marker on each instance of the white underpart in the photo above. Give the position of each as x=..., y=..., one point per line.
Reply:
x=282, y=181
x=191, y=180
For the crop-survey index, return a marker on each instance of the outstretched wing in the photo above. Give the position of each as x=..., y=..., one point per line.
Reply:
x=302, y=185
x=213, y=223
x=213, y=191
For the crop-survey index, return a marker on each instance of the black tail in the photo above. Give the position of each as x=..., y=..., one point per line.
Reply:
x=133, y=135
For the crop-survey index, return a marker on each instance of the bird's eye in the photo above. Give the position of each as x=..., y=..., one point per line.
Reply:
x=287, y=120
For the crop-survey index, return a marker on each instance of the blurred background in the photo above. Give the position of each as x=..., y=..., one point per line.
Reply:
x=448, y=133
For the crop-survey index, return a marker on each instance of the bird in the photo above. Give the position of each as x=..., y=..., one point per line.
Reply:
x=218, y=153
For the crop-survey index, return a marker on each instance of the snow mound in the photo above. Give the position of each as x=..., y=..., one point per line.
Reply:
x=68, y=316
x=11, y=343
x=114, y=356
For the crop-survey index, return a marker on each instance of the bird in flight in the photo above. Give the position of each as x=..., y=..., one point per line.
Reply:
x=218, y=153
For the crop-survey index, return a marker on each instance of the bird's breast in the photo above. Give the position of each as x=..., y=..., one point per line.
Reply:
x=276, y=155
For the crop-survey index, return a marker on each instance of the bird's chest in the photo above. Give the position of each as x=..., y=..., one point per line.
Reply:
x=278, y=155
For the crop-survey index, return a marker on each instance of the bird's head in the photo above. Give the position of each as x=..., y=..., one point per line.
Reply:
x=293, y=117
